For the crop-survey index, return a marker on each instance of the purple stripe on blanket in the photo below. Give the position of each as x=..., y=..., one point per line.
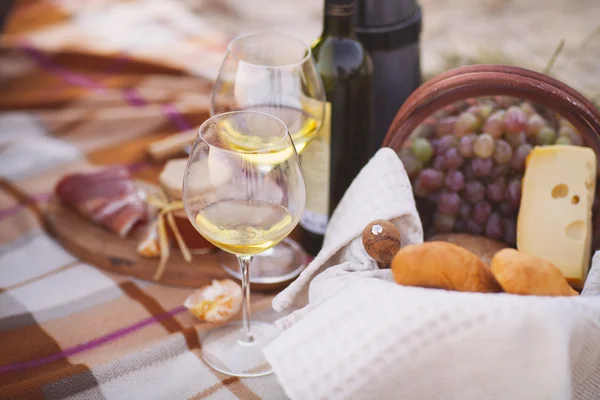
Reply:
x=176, y=117
x=92, y=343
x=12, y=210
x=130, y=95
x=133, y=97
x=49, y=65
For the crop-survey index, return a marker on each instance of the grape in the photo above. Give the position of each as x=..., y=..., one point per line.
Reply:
x=513, y=192
x=427, y=128
x=453, y=159
x=495, y=190
x=484, y=145
x=443, y=222
x=474, y=191
x=515, y=120
x=482, y=166
x=438, y=114
x=481, y=110
x=500, y=170
x=460, y=225
x=481, y=211
x=506, y=101
x=534, y=124
x=468, y=172
x=452, y=108
x=494, y=228
x=495, y=124
x=432, y=199
x=464, y=210
x=563, y=140
x=562, y=122
x=567, y=132
x=577, y=140
x=474, y=228
x=465, y=146
x=510, y=231
x=439, y=162
x=528, y=109
x=422, y=149
x=419, y=190
x=519, y=156
x=448, y=203
x=443, y=144
x=503, y=152
x=466, y=123
x=546, y=136
x=411, y=164
x=506, y=209
x=455, y=180
x=431, y=179
x=445, y=126
x=516, y=139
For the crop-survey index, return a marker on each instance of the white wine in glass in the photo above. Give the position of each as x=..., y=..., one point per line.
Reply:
x=244, y=204
x=273, y=73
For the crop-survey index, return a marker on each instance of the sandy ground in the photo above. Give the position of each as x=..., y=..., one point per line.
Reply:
x=520, y=32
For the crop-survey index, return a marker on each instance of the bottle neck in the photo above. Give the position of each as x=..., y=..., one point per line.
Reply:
x=337, y=20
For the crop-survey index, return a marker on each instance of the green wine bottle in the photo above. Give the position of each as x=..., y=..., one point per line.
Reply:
x=341, y=148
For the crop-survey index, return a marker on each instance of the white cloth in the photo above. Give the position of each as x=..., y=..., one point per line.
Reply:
x=381, y=190
x=361, y=336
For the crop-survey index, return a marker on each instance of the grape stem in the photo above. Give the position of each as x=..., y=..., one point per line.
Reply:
x=554, y=57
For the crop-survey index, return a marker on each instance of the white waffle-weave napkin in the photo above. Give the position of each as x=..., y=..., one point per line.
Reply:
x=381, y=190
x=359, y=335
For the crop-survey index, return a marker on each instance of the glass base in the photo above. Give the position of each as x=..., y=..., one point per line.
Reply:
x=275, y=265
x=226, y=349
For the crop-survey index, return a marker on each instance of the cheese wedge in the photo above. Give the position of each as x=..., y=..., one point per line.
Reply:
x=555, y=217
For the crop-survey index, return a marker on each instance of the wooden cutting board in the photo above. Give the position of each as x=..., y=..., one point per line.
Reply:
x=98, y=246
x=102, y=248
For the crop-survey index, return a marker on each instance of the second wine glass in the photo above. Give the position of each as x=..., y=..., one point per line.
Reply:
x=274, y=73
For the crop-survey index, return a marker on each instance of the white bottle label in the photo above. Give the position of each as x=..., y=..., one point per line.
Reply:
x=315, y=163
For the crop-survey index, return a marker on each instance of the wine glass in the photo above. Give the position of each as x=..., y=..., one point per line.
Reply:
x=243, y=190
x=274, y=73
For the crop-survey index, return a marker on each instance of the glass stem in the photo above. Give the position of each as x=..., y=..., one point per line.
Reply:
x=245, y=269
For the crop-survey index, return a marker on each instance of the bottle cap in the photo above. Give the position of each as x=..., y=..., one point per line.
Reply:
x=387, y=24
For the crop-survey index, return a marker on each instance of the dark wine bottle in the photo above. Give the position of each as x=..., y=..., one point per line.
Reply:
x=341, y=148
x=390, y=30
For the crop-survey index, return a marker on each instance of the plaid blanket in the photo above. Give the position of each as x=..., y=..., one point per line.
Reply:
x=70, y=98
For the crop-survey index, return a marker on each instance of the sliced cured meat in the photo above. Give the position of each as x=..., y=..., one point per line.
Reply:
x=107, y=196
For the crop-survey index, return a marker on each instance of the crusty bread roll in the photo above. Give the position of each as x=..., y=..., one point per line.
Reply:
x=519, y=273
x=443, y=265
x=481, y=246
x=171, y=177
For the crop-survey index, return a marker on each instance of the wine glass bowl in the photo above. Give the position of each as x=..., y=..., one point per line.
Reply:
x=273, y=73
x=244, y=191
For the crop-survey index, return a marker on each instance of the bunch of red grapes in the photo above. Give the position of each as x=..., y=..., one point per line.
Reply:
x=467, y=160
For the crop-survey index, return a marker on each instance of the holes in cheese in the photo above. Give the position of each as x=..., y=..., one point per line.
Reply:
x=559, y=191
x=576, y=230
x=575, y=200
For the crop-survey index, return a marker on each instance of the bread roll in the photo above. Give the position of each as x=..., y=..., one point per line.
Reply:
x=443, y=265
x=519, y=273
x=481, y=246
x=171, y=177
